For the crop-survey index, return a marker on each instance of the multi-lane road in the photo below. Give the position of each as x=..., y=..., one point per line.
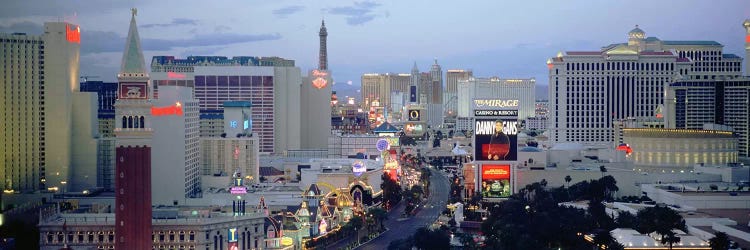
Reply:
x=400, y=228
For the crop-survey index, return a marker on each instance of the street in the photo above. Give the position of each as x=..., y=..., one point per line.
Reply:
x=401, y=228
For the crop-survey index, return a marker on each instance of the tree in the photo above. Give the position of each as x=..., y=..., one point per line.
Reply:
x=431, y=239
x=392, y=193
x=719, y=242
x=379, y=214
x=568, y=179
x=626, y=220
x=659, y=219
x=670, y=238
x=603, y=170
x=603, y=238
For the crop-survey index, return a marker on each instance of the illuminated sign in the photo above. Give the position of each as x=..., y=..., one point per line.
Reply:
x=246, y=124
x=382, y=145
x=393, y=141
x=238, y=190
x=73, y=33
x=323, y=227
x=173, y=75
x=412, y=93
x=495, y=140
x=233, y=246
x=132, y=91
x=414, y=115
x=413, y=129
x=496, y=181
x=287, y=241
x=358, y=168
x=747, y=39
x=320, y=79
x=495, y=113
x=169, y=110
x=495, y=103
x=232, y=235
x=233, y=124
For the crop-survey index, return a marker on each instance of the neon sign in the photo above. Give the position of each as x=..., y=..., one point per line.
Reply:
x=73, y=33
x=382, y=145
x=323, y=227
x=173, y=75
x=286, y=241
x=232, y=235
x=246, y=124
x=169, y=110
x=358, y=168
x=320, y=81
x=233, y=124
x=495, y=103
x=238, y=190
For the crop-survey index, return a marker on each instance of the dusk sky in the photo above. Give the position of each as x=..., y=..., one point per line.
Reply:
x=510, y=39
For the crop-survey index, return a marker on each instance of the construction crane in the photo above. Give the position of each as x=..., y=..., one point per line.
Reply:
x=86, y=78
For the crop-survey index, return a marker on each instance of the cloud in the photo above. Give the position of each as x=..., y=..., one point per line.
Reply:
x=27, y=27
x=287, y=11
x=221, y=28
x=107, y=41
x=357, y=14
x=175, y=22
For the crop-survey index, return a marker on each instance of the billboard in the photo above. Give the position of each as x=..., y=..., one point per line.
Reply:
x=414, y=115
x=495, y=181
x=413, y=129
x=495, y=139
x=412, y=93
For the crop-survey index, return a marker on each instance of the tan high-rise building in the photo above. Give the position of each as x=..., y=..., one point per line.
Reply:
x=450, y=98
x=38, y=89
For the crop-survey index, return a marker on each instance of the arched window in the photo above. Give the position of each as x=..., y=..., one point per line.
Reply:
x=143, y=125
x=135, y=122
x=124, y=122
x=130, y=122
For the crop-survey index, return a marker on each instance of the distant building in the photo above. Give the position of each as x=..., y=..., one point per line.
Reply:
x=494, y=88
x=271, y=84
x=689, y=104
x=236, y=150
x=106, y=93
x=176, y=146
x=679, y=149
x=590, y=89
x=39, y=93
x=450, y=97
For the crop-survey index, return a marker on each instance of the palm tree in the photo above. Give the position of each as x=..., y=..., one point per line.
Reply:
x=670, y=238
x=719, y=242
x=568, y=179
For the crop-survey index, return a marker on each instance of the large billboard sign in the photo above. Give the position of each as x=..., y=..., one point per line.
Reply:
x=495, y=140
x=495, y=129
x=496, y=180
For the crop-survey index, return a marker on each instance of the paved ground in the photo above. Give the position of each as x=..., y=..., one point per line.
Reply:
x=402, y=228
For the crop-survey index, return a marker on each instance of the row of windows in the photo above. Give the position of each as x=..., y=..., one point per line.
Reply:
x=619, y=66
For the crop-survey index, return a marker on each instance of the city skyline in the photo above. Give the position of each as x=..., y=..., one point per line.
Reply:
x=378, y=37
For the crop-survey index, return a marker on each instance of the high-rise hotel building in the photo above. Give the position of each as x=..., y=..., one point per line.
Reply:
x=378, y=88
x=39, y=84
x=271, y=84
x=450, y=97
x=590, y=89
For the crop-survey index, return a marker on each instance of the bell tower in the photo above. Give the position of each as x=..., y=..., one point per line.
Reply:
x=133, y=148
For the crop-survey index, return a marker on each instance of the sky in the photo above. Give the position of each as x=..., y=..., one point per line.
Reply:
x=509, y=39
